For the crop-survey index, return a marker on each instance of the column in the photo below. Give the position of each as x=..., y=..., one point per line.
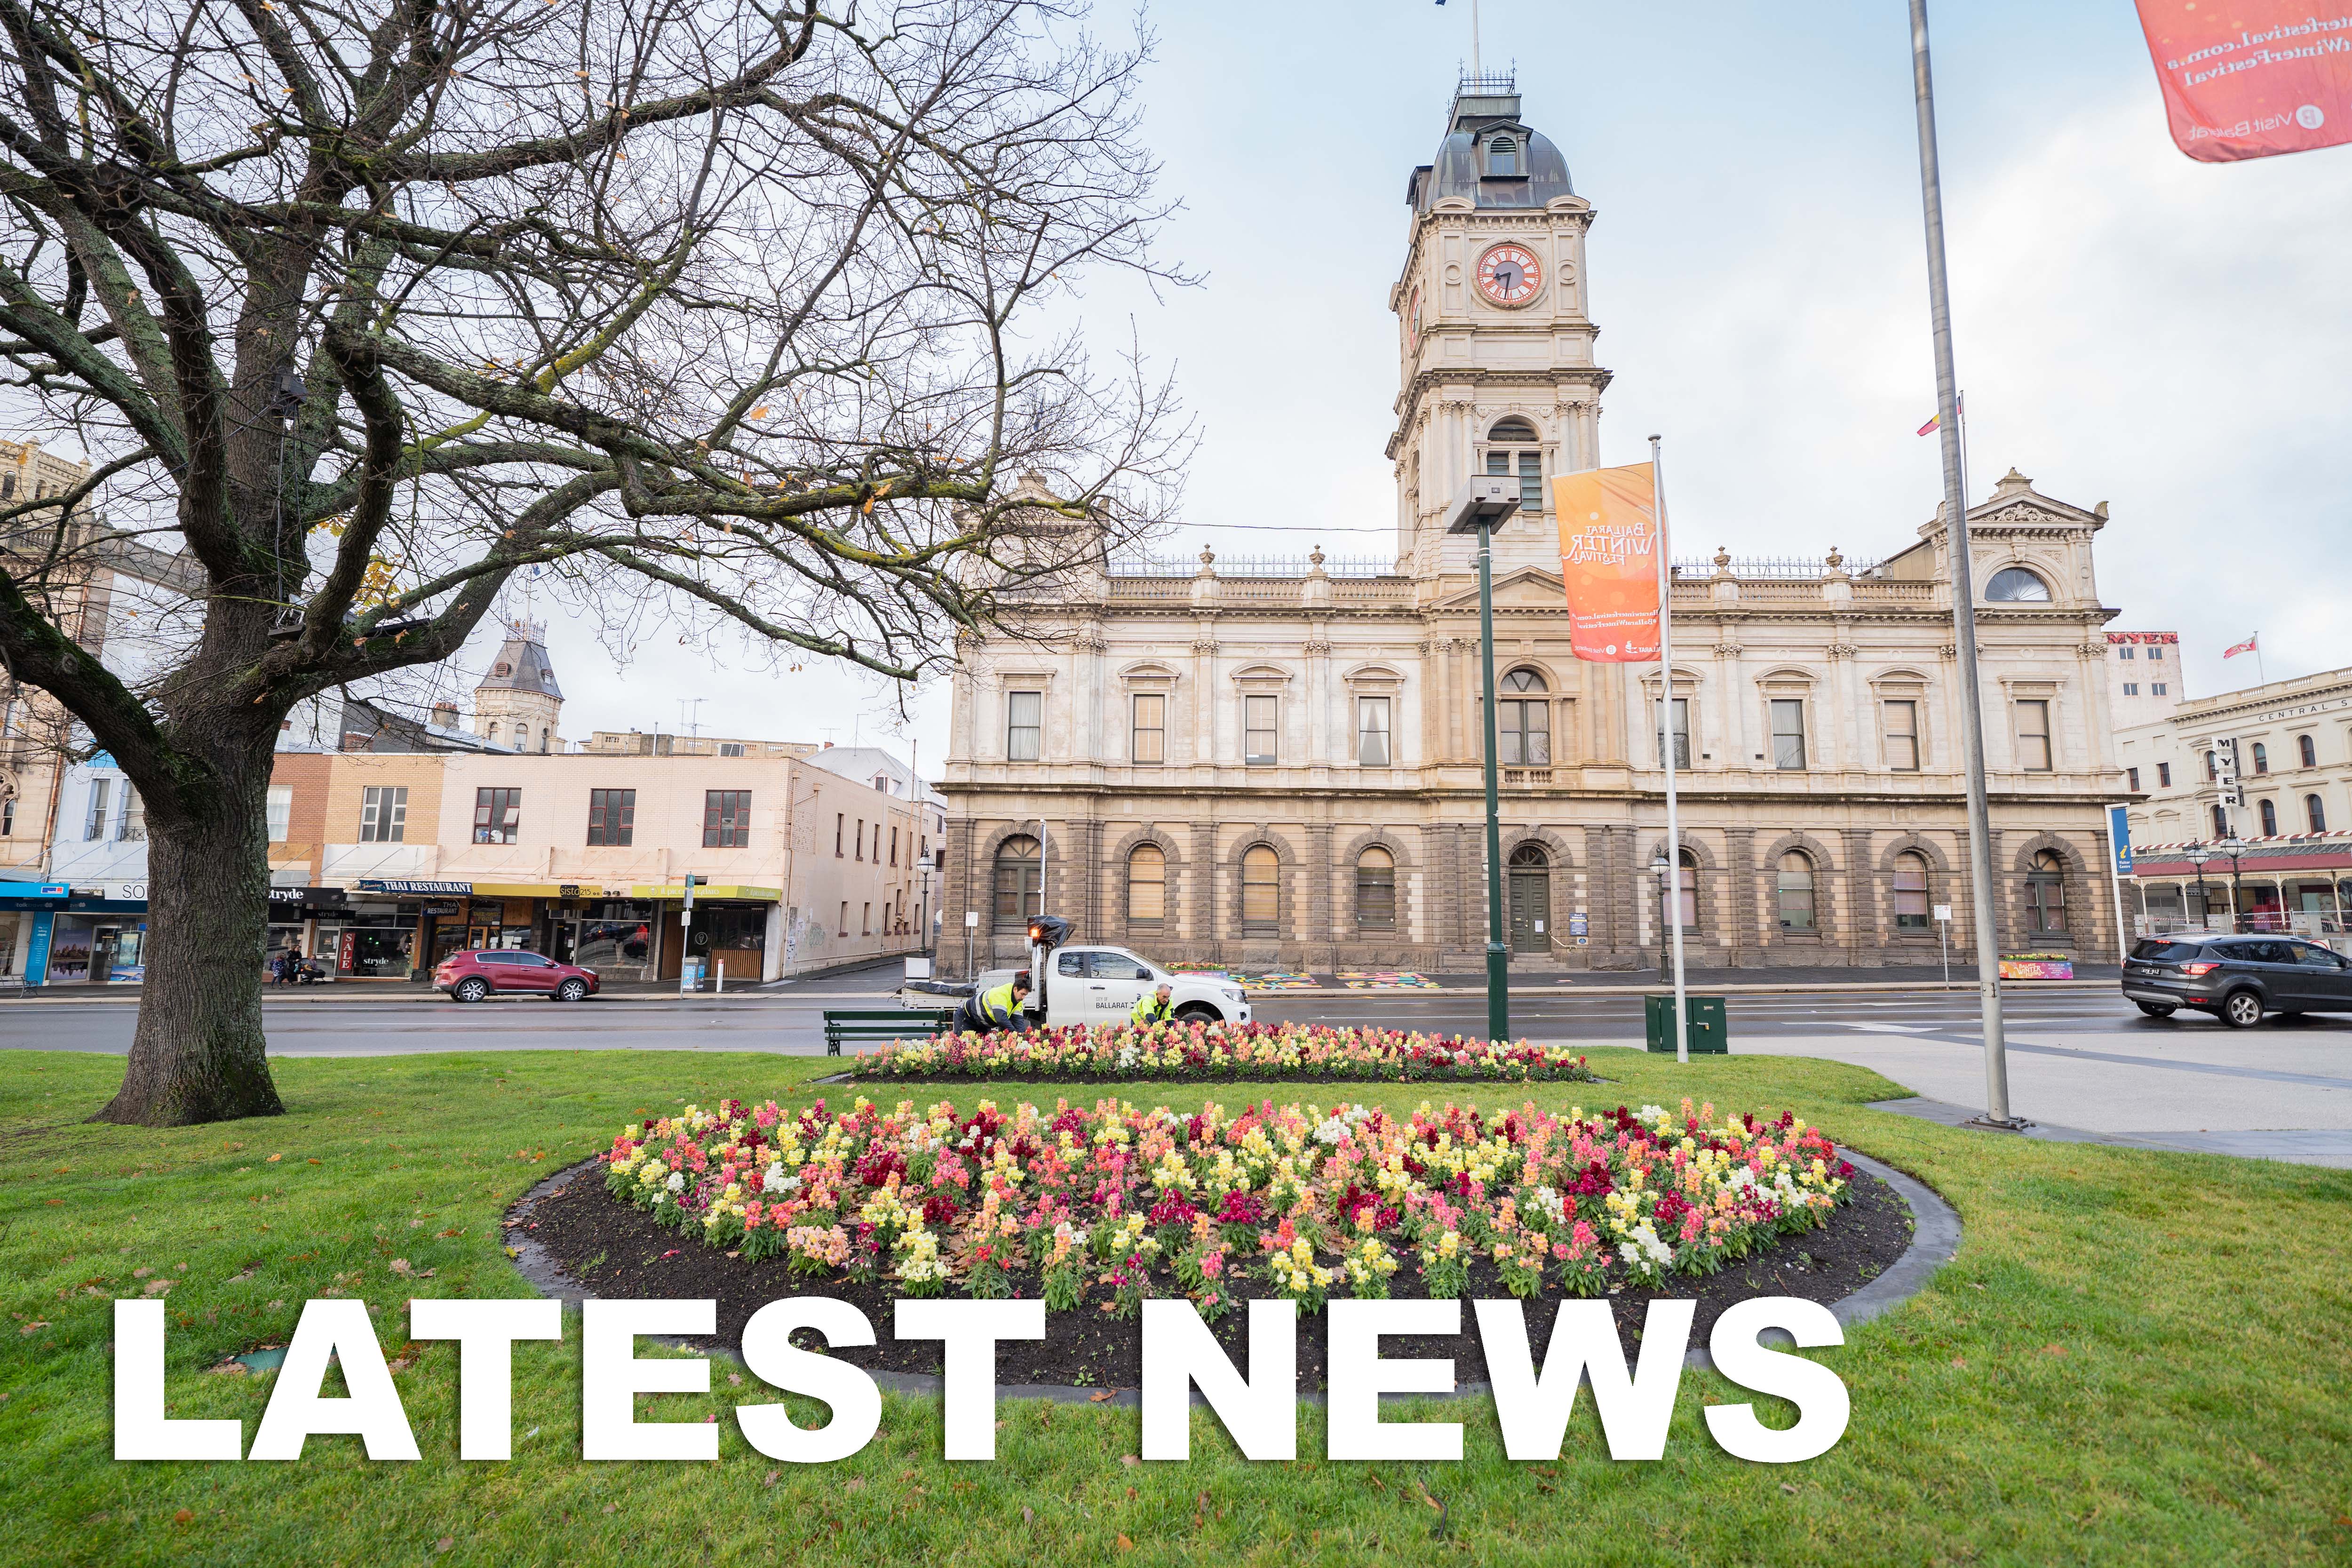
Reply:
x=956, y=891
x=1739, y=873
x=1320, y=924
x=1203, y=882
x=1861, y=932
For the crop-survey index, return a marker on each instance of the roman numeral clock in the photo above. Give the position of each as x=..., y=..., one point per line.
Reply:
x=1510, y=275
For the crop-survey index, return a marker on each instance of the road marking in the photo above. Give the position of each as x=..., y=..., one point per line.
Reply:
x=1887, y=1028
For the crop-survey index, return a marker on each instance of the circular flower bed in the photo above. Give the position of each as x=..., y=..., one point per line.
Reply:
x=1254, y=1052
x=1113, y=1204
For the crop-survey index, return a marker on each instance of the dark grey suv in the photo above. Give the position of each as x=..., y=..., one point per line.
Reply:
x=2237, y=978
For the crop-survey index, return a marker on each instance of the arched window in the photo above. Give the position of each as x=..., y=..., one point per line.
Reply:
x=1523, y=721
x=1502, y=156
x=522, y=737
x=1796, y=891
x=1020, y=873
x=1376, y=889
x=2261, y=758
x=2307, y=749
x=2220, y=822
x=1511, y=448
x=2314, y=813
x=1261, y=888
x=1147, y=886
x=2016, y=585
x=2045, y=894
x=2270, y=819
x=546, y=738
x=1911, y=892
x=492, y=734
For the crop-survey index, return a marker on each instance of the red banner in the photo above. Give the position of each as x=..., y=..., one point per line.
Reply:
x=2253, y=78
x=1609, y=564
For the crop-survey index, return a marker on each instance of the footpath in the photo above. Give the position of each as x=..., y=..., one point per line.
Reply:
x=873, y=983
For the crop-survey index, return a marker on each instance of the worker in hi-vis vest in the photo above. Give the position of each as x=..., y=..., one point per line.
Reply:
x=1154, y=1008
x=985, y=1012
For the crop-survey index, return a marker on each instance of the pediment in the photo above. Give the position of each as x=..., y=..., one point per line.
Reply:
x=1526, y=588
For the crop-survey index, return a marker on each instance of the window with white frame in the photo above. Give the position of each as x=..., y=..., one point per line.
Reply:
x=281, y=811
x=1523, y=721
x=2034, y=734
x=1901, y=723
x=1261, y=720
x=1025, y=716
x=101, y=791
x=1789, y=733
x=1512, y=450
x=384, y=813
x=1148, y=728
x=1372, y=732
x=1676, y=721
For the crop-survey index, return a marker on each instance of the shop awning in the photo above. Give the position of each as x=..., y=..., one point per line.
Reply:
x=677, y=891
x=35, y=890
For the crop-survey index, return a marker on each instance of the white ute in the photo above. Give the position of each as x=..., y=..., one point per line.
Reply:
x=1102, y=985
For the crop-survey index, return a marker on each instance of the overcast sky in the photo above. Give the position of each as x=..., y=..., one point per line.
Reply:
x=2169, y=337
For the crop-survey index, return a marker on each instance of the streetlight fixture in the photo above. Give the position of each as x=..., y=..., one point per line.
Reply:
x=1483, y=505
x=1663, y=870
x=2234, y=846
x=2197, y=854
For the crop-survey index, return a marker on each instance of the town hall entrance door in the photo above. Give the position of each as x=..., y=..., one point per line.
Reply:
x=1530, y=870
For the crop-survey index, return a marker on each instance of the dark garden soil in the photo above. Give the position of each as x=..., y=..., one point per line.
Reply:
x=1134, y=1087
x=607, y=1248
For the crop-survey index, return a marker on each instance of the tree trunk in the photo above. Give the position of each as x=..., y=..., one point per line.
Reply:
x=198, y=1053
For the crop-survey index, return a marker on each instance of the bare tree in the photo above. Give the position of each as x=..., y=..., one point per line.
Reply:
x=361, y=309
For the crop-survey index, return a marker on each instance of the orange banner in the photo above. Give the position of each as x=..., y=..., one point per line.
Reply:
x=2251, y=78
x=1608, y=562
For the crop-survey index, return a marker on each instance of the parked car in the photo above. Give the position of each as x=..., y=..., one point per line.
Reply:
x=2239, y=978
x=472, y=976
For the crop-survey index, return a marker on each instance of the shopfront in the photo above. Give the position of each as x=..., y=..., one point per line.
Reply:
x=730, y=926
x=295, y=915
x=393, y=928
x=27, y=914
x=94, y=937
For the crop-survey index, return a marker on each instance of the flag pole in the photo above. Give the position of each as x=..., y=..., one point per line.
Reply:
x=1964, y=615
x=1674, y=915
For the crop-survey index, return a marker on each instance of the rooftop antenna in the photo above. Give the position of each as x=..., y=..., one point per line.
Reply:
x=691, y=722
x=1475, y=71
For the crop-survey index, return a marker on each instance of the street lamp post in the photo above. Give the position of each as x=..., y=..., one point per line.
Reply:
x=1663, y=870
x=2197, y=854
x=1487, y=501
x=2234, y=846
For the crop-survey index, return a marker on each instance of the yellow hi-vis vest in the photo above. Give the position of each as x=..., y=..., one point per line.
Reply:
x=996, y=1007
x=1150, y=1009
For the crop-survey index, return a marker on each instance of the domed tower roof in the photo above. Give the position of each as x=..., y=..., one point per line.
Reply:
x=522, y=664
x=1490, y=157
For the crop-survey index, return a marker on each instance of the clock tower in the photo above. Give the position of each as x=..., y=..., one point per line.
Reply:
x=1494, y=334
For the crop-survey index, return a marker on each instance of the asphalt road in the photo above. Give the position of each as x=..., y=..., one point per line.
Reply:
x=2078, y=1059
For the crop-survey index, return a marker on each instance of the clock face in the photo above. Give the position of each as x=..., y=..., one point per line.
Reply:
x=1412, y=322
x=1510, y=275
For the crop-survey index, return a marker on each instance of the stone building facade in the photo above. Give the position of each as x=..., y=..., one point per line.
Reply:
x=1279, y=764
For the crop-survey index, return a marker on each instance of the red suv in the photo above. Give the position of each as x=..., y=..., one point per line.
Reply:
x=472, y=976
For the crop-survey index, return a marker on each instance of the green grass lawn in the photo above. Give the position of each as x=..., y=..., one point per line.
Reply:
x=2136, y=1357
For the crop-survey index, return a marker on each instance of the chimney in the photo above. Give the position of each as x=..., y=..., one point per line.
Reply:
x=445, y=715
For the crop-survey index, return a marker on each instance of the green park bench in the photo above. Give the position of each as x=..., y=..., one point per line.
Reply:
x=889, y=1024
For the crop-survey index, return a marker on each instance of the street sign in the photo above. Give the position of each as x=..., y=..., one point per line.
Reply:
x=1943, y=912
x=970, y=919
